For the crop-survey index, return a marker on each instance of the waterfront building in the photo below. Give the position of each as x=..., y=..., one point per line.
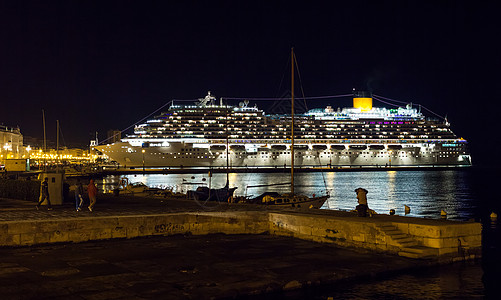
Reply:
x=11, y=143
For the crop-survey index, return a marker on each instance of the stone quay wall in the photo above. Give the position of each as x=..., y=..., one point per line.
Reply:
x=446, y=237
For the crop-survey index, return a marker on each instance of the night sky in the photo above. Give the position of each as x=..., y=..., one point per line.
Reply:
x=100, y=65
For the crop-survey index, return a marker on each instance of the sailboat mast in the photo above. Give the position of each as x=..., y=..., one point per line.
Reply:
x=44, y=140
x=57, y=146
x=227, y=150
x=292, y=121
x=57, y=138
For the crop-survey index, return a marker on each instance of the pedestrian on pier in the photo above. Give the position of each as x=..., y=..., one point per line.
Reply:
x=92, y=191
x=362, y=206
x=44, y=194
x=78, y=195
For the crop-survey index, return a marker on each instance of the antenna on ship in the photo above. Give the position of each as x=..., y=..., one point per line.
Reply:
x=207, y=99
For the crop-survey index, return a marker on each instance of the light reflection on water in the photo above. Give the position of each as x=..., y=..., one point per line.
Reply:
x=457, y=281
x=425, y=192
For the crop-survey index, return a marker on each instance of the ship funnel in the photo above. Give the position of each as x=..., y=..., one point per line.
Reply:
x=362, y=100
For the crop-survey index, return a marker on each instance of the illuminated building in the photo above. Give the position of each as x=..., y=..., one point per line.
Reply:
x=11, y=142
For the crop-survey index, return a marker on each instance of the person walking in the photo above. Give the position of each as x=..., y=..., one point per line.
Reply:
x=78, y=195
x=44, y=194
x=92, y=191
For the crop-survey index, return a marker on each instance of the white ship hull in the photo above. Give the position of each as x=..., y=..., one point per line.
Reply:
x=263, y=155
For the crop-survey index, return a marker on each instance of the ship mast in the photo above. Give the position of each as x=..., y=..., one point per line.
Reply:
x=44, y=141
x=292, y=121
x=227, y=146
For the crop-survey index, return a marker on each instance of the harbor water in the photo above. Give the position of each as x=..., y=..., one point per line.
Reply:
x=426, y=193
x=464, y=194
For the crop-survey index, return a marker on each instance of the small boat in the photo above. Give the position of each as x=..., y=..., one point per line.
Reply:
x=203, y=193
x=133, y=189
x=290, y=200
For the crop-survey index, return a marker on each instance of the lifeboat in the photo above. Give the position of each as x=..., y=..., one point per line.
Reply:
x=301, y=147
x=217, y=147
x=394, y=147
x=278, y=147
x=237, y=147
x=358, y=147
x=338, y=147
x=320, y=147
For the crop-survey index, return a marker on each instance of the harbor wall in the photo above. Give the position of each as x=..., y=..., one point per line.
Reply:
x=437, y=237
x=446, y=238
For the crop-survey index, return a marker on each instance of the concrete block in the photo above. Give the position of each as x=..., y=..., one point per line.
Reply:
x=62, y=225
x=422, y=230
x=102, y=222
x=127, y=221
x=15, y=239
x=142, y=231
x=256, y=227
x=305, y=230
x=100, y=234
x=199, y=228
x=447, y=251
x=10, y=239
x=119, y=232
x=58, y=236
x=78, y=236
x=131, y=232
x=27, y=239
x=42, y=237
x=359, y=238
x=22, y=227
x=472, y=241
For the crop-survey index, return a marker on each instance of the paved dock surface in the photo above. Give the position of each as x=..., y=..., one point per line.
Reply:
x=184, y=267
x=178, y=267
x=124, y=205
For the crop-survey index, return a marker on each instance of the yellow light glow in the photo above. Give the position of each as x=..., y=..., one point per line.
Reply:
x=365, y=104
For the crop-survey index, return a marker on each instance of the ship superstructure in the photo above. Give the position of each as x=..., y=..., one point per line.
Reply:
x=191, y=136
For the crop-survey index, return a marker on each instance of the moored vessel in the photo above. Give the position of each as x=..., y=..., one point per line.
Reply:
x=197, y=136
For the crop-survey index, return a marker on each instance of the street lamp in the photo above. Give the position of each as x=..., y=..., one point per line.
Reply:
x=143, y=158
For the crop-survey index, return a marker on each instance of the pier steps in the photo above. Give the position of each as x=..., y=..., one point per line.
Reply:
x=408, y=246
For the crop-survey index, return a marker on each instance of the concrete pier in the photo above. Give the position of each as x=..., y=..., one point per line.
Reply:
x=131, y=217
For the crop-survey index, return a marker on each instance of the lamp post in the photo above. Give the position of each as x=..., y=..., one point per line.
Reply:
x=143, y=158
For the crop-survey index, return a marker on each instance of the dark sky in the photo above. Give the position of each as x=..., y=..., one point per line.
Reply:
x=98, y=65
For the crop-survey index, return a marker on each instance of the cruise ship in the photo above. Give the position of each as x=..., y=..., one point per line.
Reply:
x=208, y=134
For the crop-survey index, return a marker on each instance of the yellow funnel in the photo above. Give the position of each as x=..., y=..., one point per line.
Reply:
x=365, y=104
